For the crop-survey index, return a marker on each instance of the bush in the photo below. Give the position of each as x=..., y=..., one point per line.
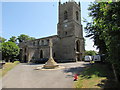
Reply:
x=16, y=62
x=9, y=50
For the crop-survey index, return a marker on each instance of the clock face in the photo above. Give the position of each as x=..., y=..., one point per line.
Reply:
x=65, y=25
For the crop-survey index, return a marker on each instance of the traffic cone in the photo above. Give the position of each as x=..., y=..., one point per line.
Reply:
x=75, y=77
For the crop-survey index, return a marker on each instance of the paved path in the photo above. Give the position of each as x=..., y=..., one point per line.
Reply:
x=25, y=76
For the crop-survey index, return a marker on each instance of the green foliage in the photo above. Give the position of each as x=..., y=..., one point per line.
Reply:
x=97, y=76
x=16, y=62
x=13, y=39
x=31, y=38
x=91, y=52
x=105, y=30
x=24, y=37
x=97, y=70
x=2, y=39
x=9, y=50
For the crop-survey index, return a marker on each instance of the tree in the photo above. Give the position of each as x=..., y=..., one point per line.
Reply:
x=9, y=50
x=24, y=37
x=13, y=39
x=93, y=29
x=105, y=30
x=2, y=39
x=31, y=38
x=91, y=53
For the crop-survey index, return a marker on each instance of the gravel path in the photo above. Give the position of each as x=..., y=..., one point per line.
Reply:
x=26, y=76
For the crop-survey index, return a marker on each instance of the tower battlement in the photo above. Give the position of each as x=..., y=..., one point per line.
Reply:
x=68, y=2
x=68, y=44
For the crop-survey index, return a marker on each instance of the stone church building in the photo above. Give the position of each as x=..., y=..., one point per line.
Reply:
x=68, y=44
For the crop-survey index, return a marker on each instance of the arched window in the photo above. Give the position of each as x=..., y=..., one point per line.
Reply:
x=25, y=56
x=42, y=42
x=33, y=43
x=25, y=50
x=48, y=42
x=41, y=54
x=65, y=15
x=38, y=43
x=78, y=46
x=65, y=33
x=77, y=15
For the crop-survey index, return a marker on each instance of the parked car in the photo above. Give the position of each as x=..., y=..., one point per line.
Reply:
x=88, y=58
x=97, y=58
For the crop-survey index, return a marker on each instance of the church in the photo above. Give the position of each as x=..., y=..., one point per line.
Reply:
x=68, y=44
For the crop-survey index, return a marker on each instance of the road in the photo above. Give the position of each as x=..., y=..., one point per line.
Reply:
x=26, y=76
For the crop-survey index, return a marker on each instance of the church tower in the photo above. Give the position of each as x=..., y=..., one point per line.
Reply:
x=70, y=31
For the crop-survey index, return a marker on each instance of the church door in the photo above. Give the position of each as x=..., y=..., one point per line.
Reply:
x=41, y=54
x=78, y=46
x=25, y=58
x=78, y=57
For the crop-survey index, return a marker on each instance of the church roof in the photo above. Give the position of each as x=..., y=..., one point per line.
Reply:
x=47, y=37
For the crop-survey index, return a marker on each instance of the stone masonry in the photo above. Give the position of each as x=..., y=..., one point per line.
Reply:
x=68, y=44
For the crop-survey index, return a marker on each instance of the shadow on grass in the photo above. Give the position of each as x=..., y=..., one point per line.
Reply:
x=109, y=83
x=76, y=70
x=102, y=71
x=99, y=70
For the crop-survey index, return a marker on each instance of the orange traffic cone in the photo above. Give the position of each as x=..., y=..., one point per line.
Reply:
x=75, y=77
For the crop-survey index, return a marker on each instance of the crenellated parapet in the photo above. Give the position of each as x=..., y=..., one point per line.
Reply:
x=69, y=2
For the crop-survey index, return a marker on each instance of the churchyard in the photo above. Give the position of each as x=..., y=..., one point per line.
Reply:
x=25, y=75
x=68, y=44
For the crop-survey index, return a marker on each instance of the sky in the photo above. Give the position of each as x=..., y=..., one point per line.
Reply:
x=36, y=19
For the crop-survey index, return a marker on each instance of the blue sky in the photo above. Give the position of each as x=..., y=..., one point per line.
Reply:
x=36, y=19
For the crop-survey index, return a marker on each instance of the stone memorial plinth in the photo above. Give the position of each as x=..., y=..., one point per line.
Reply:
x=50, y=64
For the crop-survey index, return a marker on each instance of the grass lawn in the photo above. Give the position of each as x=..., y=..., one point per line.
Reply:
x=7, y=67
x=97, y=76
